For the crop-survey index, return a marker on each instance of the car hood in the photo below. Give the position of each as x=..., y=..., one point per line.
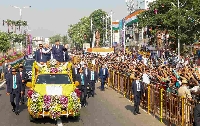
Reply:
x=54, y=89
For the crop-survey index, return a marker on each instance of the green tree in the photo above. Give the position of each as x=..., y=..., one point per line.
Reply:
x=65, y=39
x=54, y=38
x=81, y=33
x=4, y=41
x=97, y=18
x=165, y=15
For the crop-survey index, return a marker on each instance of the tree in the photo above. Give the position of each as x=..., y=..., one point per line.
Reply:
x=97, y=18
x=165, y=15
x=65, y=39
x=4, y=41
x=80, y=32
x=54, y=38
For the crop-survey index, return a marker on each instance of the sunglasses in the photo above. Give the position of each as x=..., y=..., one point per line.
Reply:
x=13, y=71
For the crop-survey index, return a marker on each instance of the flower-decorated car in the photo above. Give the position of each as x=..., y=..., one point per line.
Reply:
x=52, y=92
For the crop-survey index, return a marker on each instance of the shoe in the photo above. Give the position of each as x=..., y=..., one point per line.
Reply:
x=17, y=112
x=138, y=113
x=135, y=113
x=13, y=110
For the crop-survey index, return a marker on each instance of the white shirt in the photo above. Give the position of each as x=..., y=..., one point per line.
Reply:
x=138, y=85
x=145, y=78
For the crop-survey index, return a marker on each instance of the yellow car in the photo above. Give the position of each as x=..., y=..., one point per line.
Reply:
x=52, y=92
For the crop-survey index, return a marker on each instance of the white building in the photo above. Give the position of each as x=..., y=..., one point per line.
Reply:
x=142, y=4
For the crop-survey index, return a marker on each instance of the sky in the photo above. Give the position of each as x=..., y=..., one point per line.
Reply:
x=50, y=17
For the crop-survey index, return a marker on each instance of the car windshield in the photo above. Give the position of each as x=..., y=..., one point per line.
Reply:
x=28, y=63
x=53, y=79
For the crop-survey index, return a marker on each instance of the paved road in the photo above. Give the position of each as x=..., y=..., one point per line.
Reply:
x=107, y=108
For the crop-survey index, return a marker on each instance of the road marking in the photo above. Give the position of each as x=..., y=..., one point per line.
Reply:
x=2, y=83
x=59, y=122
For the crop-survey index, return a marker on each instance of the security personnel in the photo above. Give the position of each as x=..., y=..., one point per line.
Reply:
x=14, y=90
x=24, y=78
x=83, y=87
x=93, y=80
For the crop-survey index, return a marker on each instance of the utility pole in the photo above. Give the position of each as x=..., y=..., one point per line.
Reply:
x=111, y=35
x=20, y=14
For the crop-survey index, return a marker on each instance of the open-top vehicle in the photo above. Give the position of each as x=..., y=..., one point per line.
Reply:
x=52, y=92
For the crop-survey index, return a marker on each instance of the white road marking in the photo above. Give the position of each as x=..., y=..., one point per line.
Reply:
x=59, y=122
x=2, y=83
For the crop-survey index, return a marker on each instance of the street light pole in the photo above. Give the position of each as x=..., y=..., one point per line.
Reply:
x=20, y=14
x=111, y=35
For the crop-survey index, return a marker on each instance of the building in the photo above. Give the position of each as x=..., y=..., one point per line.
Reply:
x=142, y=4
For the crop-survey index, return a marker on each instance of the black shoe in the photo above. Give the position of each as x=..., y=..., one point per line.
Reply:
x=135, y=113
x=138, y=113
x=13, y=110
x=17, y=112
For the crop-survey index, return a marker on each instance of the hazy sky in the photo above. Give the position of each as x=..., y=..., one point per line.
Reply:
x=49, y=17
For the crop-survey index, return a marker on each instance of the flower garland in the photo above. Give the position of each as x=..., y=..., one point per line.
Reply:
x=54, y=104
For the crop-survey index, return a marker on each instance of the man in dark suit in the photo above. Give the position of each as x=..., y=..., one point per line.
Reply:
x=47, y=55
x=197, y=113
x=4, y=67
x=14, y=89
x=83, y=87
x=93, y=80
x=24, y=78
x=138, y=92
x=86, y=72
x=8, y=71
x=40, y=54
x=103, y=75
x=57, y=51
x=75, y=73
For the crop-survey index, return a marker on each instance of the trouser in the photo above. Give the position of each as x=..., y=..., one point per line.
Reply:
x=102, y=84
x=83, y=95
x=14, y=99
x=22, y=95
x=137, y=102
x=92, y=86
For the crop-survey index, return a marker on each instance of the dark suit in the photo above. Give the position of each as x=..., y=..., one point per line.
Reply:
x=4, y=67
x=137, y=95
x=75, y=73
x=57, y=52
x=39, y=56
x=24, y=77
x=197, y=115
x=103, y=75
x=14, y=93
x=7, y=72
x=93, y=81
x=86, y=77
x=66, y=55
x=83, y=88
x=47, y=55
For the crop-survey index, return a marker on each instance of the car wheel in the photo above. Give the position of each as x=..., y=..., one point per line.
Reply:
x=31, y=118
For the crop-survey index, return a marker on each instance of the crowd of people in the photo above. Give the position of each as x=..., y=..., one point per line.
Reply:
x=176, y=75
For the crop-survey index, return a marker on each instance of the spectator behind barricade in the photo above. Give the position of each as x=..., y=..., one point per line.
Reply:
x=197, y=113
x=145, y=78
x=183, y=91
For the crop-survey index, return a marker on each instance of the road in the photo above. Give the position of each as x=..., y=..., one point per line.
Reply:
x=107, y=108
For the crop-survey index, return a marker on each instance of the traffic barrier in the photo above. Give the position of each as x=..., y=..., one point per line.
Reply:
x=168, y=107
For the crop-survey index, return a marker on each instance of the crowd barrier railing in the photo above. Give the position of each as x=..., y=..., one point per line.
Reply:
x=168, y=107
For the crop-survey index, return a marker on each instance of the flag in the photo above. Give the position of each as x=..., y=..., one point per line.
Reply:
x=91, y=24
